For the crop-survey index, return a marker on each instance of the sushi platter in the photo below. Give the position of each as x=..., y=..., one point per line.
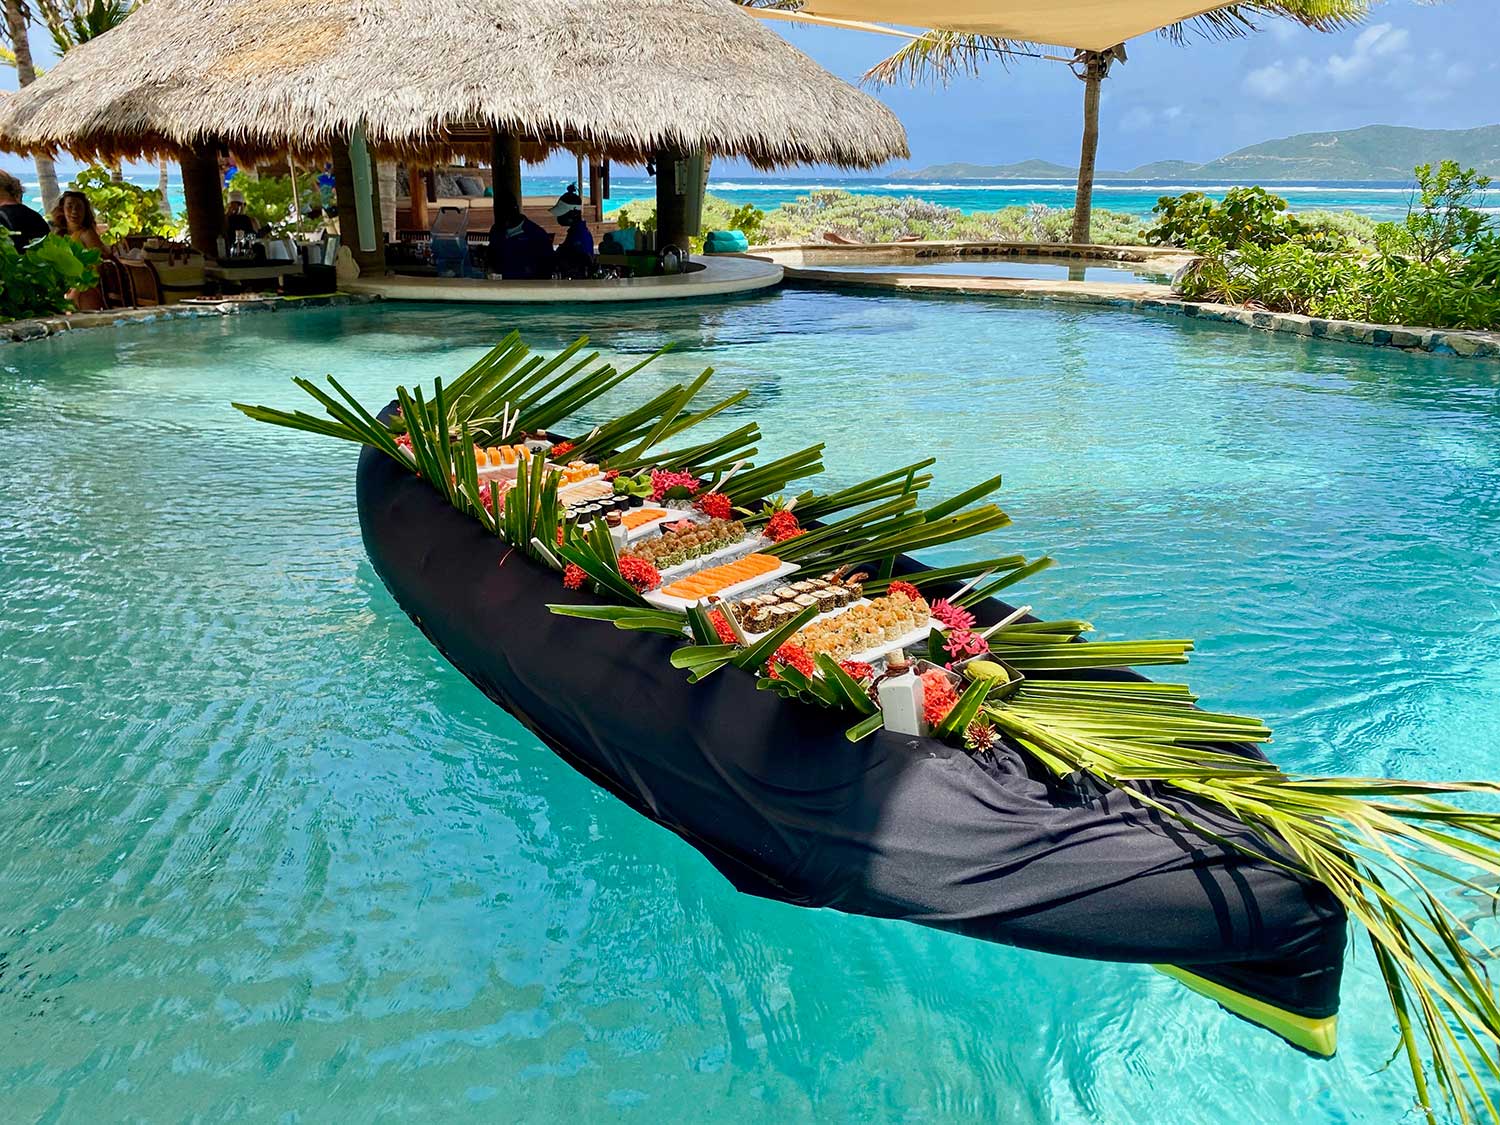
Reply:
x=679, y=602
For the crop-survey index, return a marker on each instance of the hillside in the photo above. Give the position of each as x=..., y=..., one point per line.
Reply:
x=1374, y=152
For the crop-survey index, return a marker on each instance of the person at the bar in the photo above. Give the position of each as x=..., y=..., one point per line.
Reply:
x=575, y=257
x=520, y=250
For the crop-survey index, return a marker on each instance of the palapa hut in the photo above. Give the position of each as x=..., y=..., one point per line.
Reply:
x=649, y=80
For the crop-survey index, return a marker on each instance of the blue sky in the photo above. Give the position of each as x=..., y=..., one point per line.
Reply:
x=1426, y=65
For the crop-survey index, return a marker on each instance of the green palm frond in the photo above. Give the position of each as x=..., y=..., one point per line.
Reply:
x=941, y=56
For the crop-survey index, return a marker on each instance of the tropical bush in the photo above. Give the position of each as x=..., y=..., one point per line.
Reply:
x=123, y=208
x=1438, y=268
x=886, y=218
x=268, y=199
x=889, y=218
x=36, y=282
x=718, y=214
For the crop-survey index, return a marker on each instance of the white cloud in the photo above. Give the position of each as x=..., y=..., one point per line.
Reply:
x=1139, y=118
x=1280, y=81
x=1373, y=44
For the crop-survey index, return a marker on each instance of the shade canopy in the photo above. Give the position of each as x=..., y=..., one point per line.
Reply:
x=1092, y=25
x=591, y=76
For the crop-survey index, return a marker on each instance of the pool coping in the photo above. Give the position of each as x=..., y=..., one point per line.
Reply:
x=20, y=331
x=1147, y=297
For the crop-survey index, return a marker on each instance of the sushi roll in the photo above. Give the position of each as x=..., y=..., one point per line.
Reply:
x=828, y=600
x=784, y=593
x=805, y=601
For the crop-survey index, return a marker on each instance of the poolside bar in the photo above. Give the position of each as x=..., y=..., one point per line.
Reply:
x=274, y=80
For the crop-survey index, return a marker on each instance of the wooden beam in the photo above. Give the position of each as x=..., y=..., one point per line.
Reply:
x=671, y=201
x=203, y=192
x=505, y=160
x=416, y=186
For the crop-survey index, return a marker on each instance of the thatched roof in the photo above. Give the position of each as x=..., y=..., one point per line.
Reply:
x=593, y=76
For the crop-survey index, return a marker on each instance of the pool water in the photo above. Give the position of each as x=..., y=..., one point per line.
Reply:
x=1043, y=269
x=265, y=856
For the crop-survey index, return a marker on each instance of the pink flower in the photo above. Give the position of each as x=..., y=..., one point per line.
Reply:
x=951, y=615
x=664, y=480
x=963, y=643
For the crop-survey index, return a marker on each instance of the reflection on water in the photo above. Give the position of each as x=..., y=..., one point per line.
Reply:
x=263, y=855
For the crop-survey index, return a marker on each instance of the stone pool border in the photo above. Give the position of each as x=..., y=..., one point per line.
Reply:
x=1464, y=343
x=19, y=331
x=1145, y=297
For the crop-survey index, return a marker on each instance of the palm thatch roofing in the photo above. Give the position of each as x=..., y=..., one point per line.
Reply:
x=592, y=76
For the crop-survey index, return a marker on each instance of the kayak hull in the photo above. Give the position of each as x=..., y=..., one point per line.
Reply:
x=779, y=801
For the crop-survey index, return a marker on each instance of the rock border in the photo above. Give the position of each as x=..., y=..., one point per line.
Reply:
x=19, y=331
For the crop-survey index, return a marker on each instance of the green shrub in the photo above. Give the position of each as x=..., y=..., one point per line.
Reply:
x=268, y=199
x=123, y=208
x=1440, y=268
x=36, y=282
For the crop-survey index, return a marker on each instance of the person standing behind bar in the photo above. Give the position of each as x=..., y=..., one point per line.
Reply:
x=520, y=250
x=575, y=257
x=25, y=225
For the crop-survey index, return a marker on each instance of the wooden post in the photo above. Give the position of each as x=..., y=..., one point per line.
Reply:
x=416, y=187
x=372, y=262
x=203, y=191
x=671, y=201
x=505, y=160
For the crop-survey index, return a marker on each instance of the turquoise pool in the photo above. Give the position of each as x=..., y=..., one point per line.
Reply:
x=264, y=856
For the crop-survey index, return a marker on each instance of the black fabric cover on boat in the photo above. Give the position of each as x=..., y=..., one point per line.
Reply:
x=785, y=807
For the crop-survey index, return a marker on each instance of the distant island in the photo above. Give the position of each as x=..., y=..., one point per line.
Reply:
x=1375, y=152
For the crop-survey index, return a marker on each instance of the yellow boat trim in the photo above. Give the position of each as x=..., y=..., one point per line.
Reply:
x=1316, y=1036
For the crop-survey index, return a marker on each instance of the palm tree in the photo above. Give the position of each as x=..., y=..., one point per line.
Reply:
x=72, y=22
x=19, y=56
x=941, y=55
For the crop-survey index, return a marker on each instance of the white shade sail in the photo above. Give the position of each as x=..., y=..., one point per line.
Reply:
x=1093, y=25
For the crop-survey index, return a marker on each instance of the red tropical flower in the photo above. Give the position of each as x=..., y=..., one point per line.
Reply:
x=782, y=526
x=574, y=576
x=906, y=589
x=790, y=654
x=723, y=628
x=938, y=696
x=639, y=573
x=714, y=505
x=562, y=449
x=858, y=669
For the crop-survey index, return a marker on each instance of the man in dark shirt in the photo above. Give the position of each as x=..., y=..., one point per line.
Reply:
x=25, y=225
x=519, y=249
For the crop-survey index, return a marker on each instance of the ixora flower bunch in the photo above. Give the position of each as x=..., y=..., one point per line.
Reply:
x=1395, y=854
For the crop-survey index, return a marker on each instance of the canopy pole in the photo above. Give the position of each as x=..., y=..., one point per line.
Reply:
x=203, y=195
x=505, y=160
x=357, y=208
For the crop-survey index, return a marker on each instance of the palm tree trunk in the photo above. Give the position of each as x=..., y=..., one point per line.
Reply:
x=20, y=45
x=161, y=186
x=1083, y=203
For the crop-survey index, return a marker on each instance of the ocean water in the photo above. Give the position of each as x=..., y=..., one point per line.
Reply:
x=1034, y=268
x=265, y=857
x=1134, y=197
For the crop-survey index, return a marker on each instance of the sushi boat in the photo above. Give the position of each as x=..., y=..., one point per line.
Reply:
x=659, y=616
x=778, y=799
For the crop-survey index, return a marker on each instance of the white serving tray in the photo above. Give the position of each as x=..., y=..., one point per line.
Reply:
x=747, y=546
x=880, y=651
x=680, y=605
x=674, y=515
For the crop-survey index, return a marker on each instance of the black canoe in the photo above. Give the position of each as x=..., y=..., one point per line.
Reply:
x=781, y=803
